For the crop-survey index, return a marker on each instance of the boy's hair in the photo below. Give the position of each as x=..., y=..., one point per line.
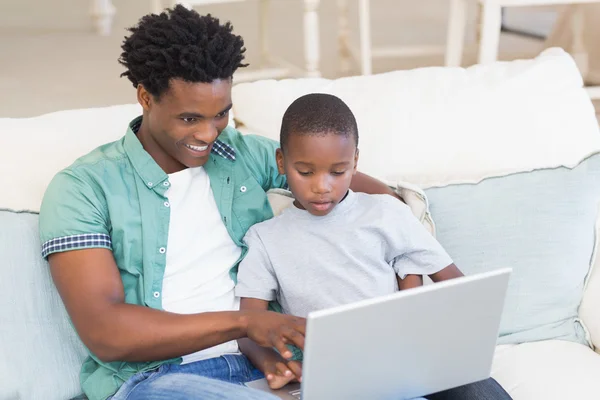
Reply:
x=318, y=114
x=179, y=43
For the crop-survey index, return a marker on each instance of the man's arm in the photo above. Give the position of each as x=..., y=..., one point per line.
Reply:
x=278, y=371
x=92, y=291
x=366, y=184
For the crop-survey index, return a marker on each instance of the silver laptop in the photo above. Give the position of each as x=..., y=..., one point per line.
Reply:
x=409, y=344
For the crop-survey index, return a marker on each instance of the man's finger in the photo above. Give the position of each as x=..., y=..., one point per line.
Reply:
x=279, y=344
x=293, y=336
x=300, y=325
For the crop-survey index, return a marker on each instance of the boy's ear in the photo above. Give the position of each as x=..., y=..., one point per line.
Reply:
x=355, y=162
x=279, y=159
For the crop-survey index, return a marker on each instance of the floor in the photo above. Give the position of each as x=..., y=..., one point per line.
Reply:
x=50, y=58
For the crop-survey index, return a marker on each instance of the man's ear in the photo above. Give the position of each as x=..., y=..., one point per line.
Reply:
x=144, y=97
x=355, y=162
x=279, y=159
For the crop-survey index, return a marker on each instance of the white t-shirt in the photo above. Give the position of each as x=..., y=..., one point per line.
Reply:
x=310, y=263
x=199, y=256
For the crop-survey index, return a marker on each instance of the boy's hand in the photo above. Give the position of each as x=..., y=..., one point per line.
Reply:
x=280, y=372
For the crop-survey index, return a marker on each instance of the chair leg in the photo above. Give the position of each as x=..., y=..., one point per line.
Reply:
x=364, y=20
x=457, y=22
x=156, y=6
x=311, y=38
x=578, y=50
x=103, y=12
x=264, y=32
x=491, y=21
x=344, y=53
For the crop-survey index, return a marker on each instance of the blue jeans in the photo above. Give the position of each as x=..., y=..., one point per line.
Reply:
x=223, y=378
x=219, y=378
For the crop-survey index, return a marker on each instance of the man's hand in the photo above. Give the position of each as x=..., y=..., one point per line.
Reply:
x=271, y=329
x=280, y=372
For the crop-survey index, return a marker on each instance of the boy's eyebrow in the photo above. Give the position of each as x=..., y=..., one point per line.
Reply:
x=197, y=115
x=338, y=164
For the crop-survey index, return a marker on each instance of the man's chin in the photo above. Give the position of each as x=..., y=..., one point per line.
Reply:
x=196, y=162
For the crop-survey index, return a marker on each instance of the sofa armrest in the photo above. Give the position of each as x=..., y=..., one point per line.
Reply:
x=589, y=311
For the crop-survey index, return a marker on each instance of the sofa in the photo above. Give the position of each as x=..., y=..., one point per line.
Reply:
x=501, y=162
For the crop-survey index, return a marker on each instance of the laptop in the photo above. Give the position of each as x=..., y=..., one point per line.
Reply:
x=409, y=344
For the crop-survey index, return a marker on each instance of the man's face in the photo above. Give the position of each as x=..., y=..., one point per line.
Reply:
x=182, y=125
x=319, y=169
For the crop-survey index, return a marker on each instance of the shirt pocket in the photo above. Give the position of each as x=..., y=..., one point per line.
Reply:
x=250, y=204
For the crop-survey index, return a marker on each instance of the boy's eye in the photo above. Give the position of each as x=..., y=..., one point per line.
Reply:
x=338, y=173
x=304, y=173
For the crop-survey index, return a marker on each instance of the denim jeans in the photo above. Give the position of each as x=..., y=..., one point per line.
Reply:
x=223, y=378
x=217, y=378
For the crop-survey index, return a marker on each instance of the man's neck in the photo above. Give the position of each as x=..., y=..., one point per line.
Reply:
x=152, y=147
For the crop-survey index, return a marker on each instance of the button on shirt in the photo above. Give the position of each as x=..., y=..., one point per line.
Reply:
x=101, y=200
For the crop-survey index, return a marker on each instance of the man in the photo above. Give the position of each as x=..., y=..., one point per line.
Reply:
x=144, y=235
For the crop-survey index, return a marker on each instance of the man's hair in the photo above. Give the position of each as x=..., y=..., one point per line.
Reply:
x=318, y=114
x=180, y=44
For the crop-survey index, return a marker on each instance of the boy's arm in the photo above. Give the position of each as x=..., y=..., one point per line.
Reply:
x=412, y=250
x=450, y=272
x=412, y=281
x=277, y=370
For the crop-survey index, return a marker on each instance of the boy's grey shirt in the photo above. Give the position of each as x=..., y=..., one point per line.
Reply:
x=309, y=263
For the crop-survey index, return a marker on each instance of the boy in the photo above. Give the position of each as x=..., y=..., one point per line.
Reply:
x=334, y=246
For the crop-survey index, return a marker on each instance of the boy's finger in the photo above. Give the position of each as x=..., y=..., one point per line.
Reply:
x=283, y=370
x=296, y=368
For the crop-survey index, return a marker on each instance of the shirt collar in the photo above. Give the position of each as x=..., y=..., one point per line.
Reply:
x=145, y=165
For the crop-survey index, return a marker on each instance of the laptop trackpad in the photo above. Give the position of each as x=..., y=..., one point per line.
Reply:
x=291, y=391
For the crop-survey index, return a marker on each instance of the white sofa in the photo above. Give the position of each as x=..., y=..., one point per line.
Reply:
x=502, y=157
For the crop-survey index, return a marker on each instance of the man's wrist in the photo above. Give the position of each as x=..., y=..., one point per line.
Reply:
x=242, y=321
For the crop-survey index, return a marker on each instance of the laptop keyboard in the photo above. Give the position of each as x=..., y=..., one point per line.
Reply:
x=296, y=394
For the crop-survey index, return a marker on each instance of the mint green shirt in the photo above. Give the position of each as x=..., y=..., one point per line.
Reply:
x=114, y=198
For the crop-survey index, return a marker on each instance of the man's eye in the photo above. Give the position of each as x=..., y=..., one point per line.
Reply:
x=188, y=120
x=221, y=115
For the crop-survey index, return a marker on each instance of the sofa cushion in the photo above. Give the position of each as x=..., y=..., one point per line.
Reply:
x=539, y=223
x=550, y=370
x=54, y=141
x=39, y=349
x=589, y=311
x=436, y=126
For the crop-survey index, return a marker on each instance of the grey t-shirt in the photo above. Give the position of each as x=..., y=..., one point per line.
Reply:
x=309, y=263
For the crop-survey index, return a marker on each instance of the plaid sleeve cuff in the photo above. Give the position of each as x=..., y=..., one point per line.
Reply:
x=76, y=242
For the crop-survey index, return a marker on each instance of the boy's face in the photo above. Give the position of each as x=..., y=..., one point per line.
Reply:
x=319, y=169
x=185, y=122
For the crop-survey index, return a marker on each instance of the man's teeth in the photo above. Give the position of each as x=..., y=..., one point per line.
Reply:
x=197, y=148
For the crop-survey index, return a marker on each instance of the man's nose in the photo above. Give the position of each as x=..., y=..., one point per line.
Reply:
x=206, y=133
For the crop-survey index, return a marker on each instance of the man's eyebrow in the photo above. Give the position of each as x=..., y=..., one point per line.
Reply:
x=197, y=115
